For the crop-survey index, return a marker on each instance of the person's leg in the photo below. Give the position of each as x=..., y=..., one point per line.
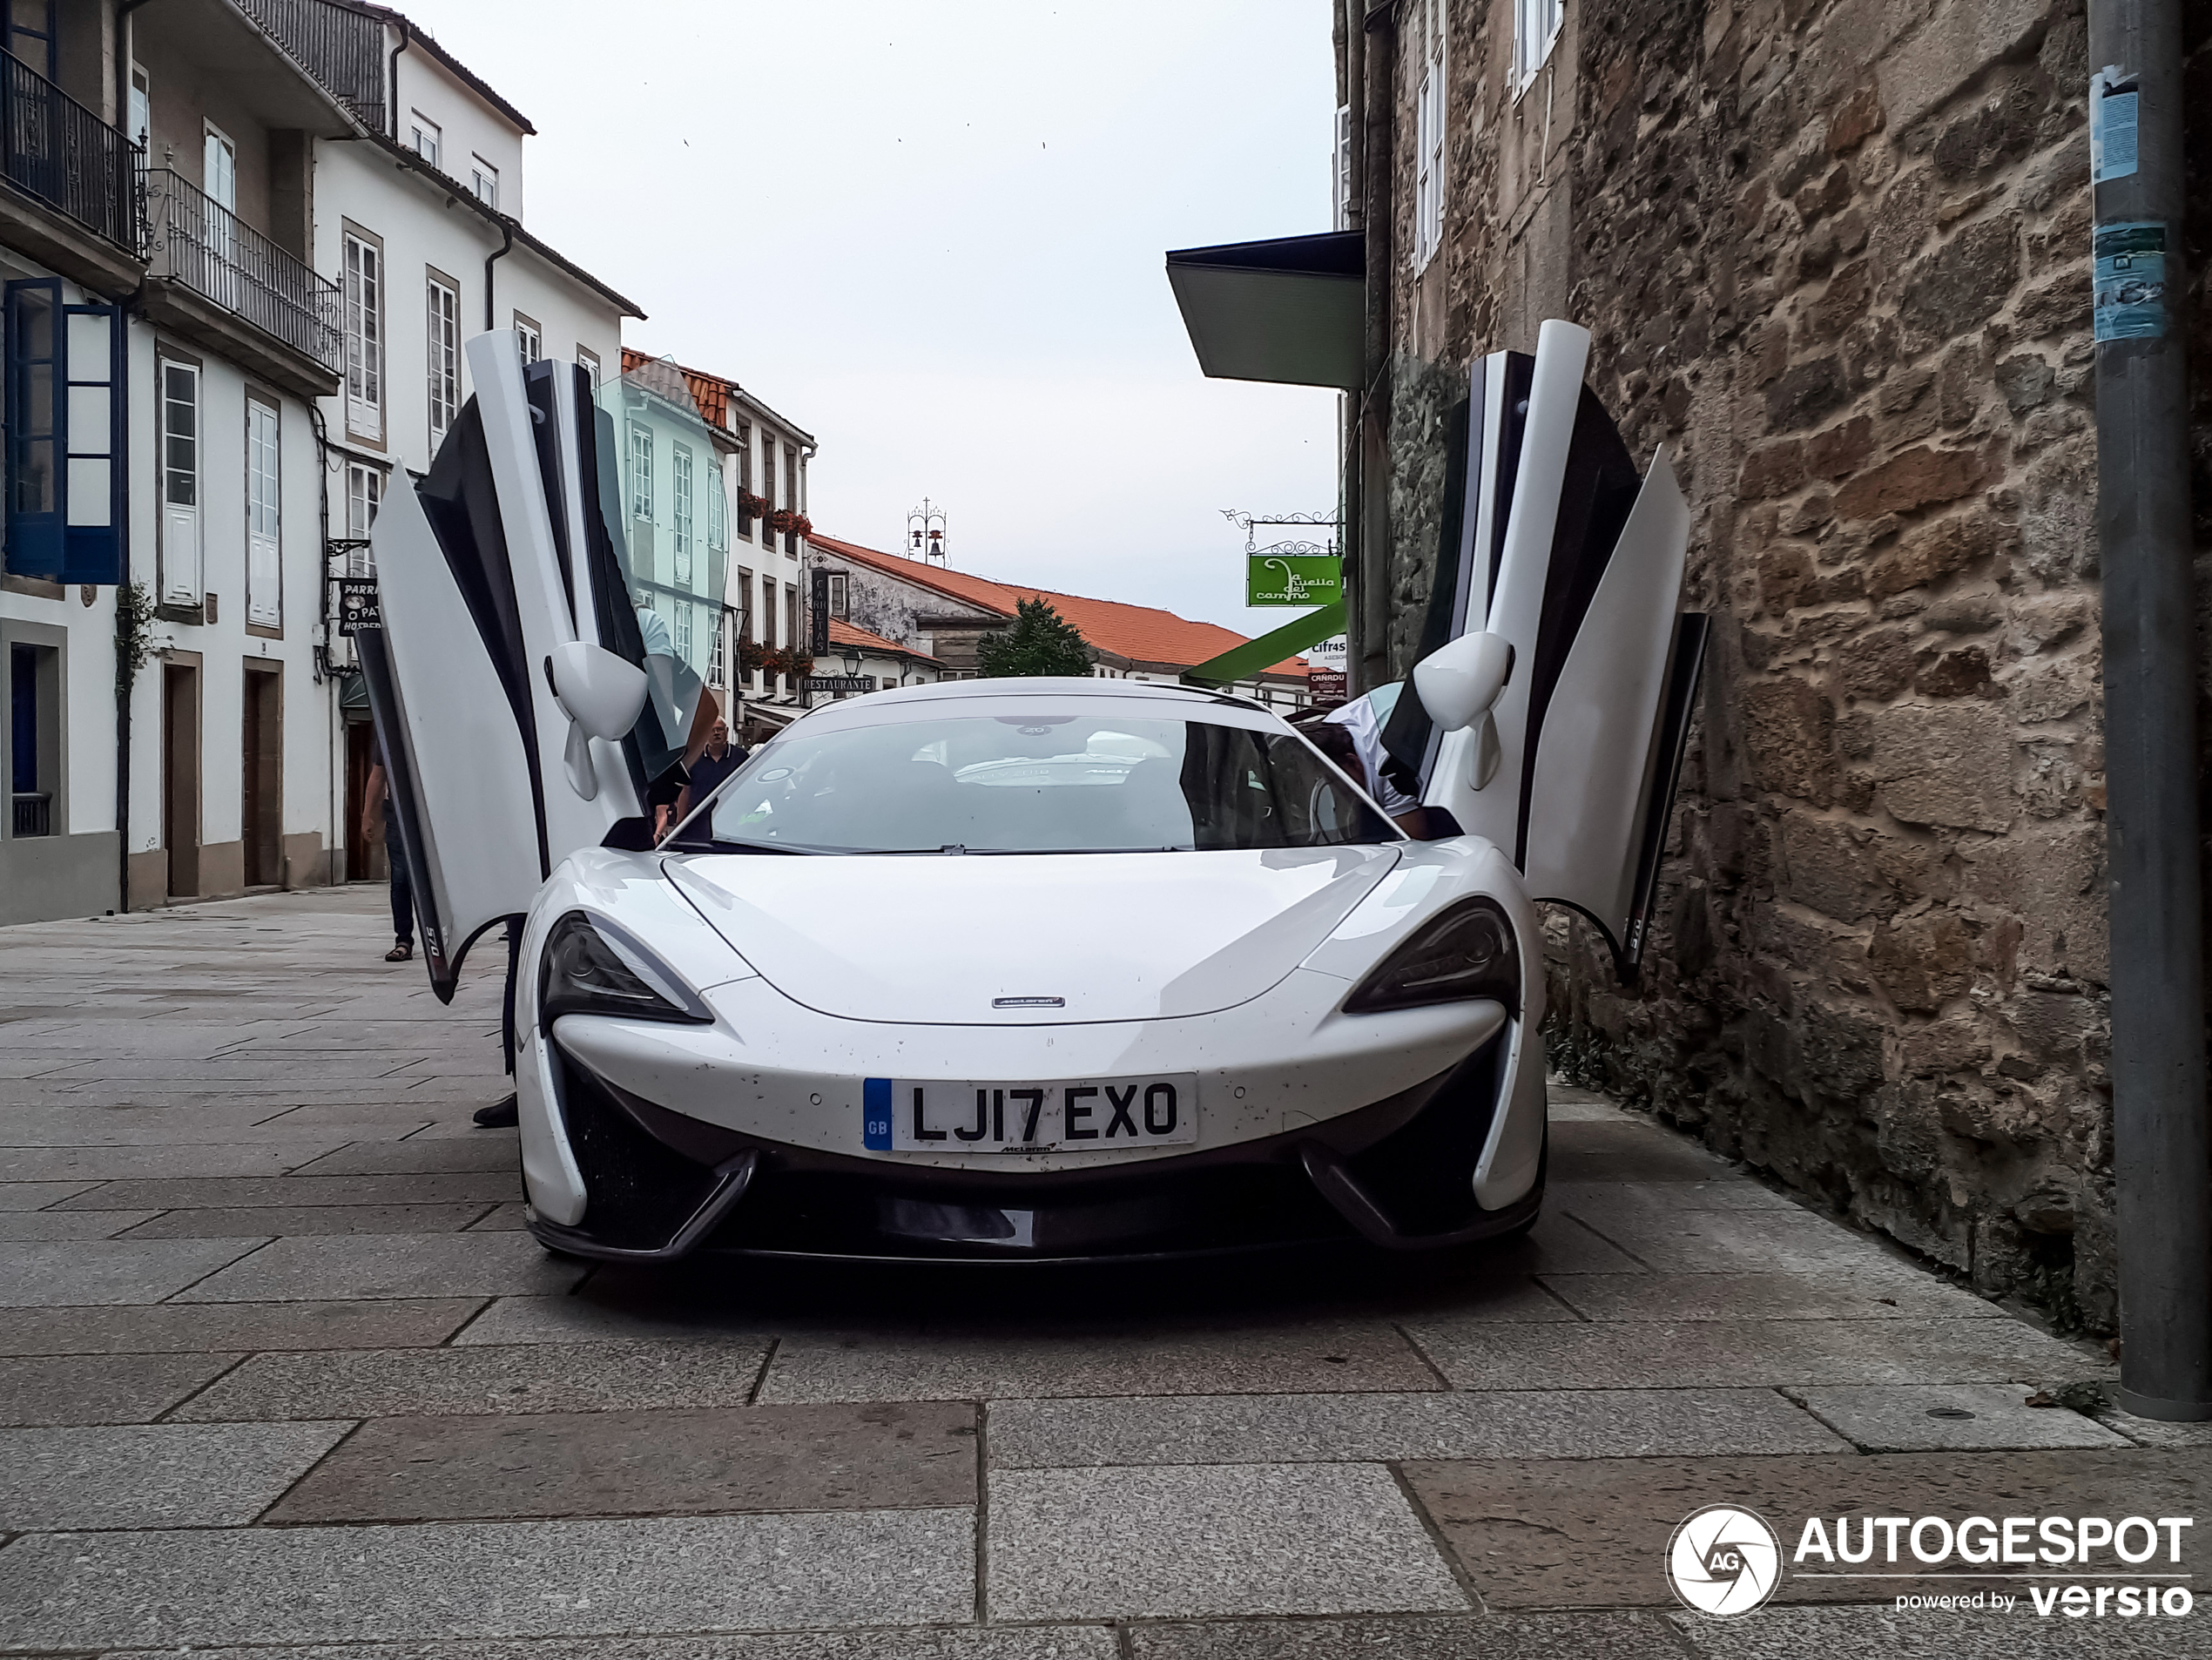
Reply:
x=403, y=892
x=500, y=1114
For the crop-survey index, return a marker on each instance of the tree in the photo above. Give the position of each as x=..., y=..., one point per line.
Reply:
x=1041, y=641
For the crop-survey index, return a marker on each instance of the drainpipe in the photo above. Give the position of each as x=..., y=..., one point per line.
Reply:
x=391, y=75
x=506, y=246
x=1370, y=660
x=1351, y=37
x=2160, y=1157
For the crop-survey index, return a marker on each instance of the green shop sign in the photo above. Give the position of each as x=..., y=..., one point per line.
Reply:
x=1293, y=579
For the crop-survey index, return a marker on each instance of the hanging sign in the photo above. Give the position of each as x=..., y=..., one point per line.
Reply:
x=1293, y=579
x=358, y=605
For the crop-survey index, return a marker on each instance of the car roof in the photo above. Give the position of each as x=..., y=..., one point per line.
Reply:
x=1103, y=692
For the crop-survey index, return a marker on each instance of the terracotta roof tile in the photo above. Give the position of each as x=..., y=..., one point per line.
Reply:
x=843, y=633
x=1140, y=633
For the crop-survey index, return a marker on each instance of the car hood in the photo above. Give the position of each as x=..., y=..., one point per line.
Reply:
x=936, y=939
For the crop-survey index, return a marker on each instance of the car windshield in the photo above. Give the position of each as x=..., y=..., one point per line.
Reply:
x=1036, y=783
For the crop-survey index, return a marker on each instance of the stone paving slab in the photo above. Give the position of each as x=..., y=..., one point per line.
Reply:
x=102, y=1389
x=1561, y=1244
x=37, y=1196
x=503, y=1218
x=63, y=1225
x=212, y=1327
x=930, y=1642
x=225, y=1193
x=149, y=1476
x=1743, y=1354
x=1791, y=1633
x=57, y=1274
x=1597, y=1200
x=121, y=1163
x=1291, y=1358
x=486, y=1150
x=918, y=1456
x=1251, y=1429
x=477, y=1579
x=1875, y=1292
x=1594, y=1532
x=1899, y=1418
x=398, y=1265
x=1218, y=1540
x=1469, y=1636
x=374, y=1383
x=1638, y=1151
x=298, y=1220
x=1735, y=1241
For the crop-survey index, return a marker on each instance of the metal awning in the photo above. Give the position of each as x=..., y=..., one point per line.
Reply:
x=1289, y=310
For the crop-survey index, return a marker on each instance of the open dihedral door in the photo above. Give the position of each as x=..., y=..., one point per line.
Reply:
x=506, y=550
x=1553, y=543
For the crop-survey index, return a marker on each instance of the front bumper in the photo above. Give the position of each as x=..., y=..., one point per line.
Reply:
x=1397, y=1173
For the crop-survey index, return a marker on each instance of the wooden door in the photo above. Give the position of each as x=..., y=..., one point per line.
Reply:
x=180, y=777
x=261, y=817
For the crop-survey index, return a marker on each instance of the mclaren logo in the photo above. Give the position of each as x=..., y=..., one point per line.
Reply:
x=1724, y=1560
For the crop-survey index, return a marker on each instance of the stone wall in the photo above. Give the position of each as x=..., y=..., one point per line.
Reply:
x=1837, y=253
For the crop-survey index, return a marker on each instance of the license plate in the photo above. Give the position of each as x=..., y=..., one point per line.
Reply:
x=929, y=1114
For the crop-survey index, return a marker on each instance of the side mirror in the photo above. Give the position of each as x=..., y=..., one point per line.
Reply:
x=1459, y=682
x=599, y=690
x=602, y=694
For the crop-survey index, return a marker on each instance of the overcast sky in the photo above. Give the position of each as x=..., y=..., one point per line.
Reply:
x=930, y=231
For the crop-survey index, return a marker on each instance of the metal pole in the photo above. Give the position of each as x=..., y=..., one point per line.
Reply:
x=2163, y=1174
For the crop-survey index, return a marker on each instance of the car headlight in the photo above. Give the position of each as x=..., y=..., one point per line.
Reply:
x=1466, y=951
x=592, y=967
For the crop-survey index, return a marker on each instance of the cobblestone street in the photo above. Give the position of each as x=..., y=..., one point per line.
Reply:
x=281, y=1369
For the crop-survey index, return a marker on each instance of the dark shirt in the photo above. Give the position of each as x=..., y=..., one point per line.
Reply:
x=707, y=773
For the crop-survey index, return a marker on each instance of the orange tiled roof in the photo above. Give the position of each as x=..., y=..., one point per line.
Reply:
x=1140, y=633
x=710, y=393
x=843, y=633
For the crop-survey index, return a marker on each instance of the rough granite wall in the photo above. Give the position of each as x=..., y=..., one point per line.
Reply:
x=1837, y=255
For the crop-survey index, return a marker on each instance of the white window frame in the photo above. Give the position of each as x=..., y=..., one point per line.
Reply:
x=181, y=543
x=839, y=595
x=264, y=513
x=140, y=115
x=1536, y=25
x=530, y=338
x=680, y=509
x=442, y=334
x=364, y=280
x=429, y=139
x=364, y=495
x=717, y=512
x=483, y=182
x=717, y=671
x=589, y=360
x=641, y=471
x=1429, y=115
x=683, y=609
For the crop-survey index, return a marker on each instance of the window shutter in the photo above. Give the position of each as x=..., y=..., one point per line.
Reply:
x=64, y=442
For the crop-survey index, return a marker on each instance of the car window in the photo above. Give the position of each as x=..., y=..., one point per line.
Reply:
x=1037, y=783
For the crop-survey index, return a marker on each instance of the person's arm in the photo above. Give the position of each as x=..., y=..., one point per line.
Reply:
x=372, y=798
x=702, y=720
x=683, y=805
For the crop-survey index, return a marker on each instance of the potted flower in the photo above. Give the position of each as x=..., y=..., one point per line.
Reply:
x=753, y=656
x=782, y=521
x=751, y=506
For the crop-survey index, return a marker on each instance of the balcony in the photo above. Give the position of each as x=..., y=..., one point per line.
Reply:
x=264, y=307
x=85, y=214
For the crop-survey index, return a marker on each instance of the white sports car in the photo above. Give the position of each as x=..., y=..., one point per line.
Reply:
x=1029, y=969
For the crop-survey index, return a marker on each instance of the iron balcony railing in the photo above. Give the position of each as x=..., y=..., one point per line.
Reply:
x=198, y=242
x=343, y=48
x=55, y=149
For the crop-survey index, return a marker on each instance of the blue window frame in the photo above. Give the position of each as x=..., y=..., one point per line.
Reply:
x=65, y=448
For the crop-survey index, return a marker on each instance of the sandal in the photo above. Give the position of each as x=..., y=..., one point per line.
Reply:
x=404, y=951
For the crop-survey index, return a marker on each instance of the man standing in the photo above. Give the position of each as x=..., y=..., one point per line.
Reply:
x=377, y=800
x=720, y=759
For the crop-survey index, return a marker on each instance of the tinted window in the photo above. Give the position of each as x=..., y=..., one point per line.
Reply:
x=1038, y=784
